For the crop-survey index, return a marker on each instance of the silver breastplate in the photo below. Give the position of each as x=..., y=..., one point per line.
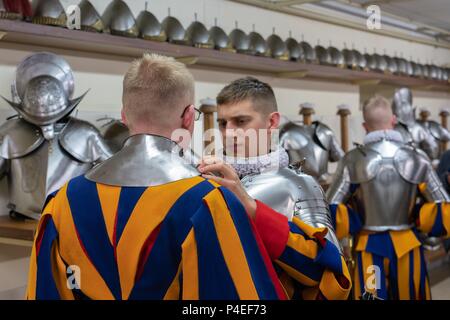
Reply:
x=32, y=177
x=300, y=143
x=144, y=160
x=292, y=194
x=387, y=176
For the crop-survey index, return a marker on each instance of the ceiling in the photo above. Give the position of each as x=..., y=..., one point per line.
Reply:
x=422, y=20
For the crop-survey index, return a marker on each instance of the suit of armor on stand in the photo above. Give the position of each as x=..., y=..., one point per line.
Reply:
x=44, y=146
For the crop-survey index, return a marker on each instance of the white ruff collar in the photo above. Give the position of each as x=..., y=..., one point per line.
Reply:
x=379, y=135
x=245, y=166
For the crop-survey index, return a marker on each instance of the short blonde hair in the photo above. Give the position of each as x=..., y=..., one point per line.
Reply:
x=156, y=87
x=377, y=112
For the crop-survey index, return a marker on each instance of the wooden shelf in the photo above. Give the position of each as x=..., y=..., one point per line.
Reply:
x=116, y=47
x=17, y=232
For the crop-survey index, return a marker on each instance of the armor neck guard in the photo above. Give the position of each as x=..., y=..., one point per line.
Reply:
x=144, y=161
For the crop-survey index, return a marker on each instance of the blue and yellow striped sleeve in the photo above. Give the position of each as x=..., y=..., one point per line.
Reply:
x=346, y=221
x=434, y=219
x=304, y=254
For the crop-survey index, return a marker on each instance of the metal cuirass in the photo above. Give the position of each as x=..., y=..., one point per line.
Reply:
x=145, y=160
x=37, y=167
x=387, y=173
x=312, y=143
x=438, y=132
x=293, y=194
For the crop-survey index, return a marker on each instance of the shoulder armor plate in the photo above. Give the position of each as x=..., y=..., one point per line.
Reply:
x=293, y=137
x=282, y=189
x=81, y=140
x=323, y=134
x=411, y=164
x=363, y=164
x=19, y=138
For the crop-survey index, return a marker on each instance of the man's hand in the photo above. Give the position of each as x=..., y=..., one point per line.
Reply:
x=225, y=175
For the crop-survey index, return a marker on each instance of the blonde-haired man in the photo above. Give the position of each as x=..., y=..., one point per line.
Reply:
x=373, y=197
x=146, y=225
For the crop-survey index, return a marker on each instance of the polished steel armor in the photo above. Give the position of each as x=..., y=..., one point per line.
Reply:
x=438, y=132
x=239, y=40
x=296, y=52
x=294, y=194
x=258, y=45
x=315, y=143
x=44, y=147
x=119, y=19
x=144, y=160
x=149, y=27
x=49, y=12
x=90, y=19
x=174, y=30
x=277, y=48
x=323, y=55
x=310, y=53
x=387, y=173
x=220, y=39
x=37, y=167
x=115, y=132
x=337, y=57
x=197, y=35
x=411, y=131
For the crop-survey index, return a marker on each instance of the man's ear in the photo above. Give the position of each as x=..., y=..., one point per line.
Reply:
x=394, y=120
x=274, y=120
x=188, y=118
x=124, y=118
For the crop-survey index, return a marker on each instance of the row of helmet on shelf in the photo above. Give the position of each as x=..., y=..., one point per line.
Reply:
x=119, y=20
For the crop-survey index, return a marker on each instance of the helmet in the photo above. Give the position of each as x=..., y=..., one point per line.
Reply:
x=294, y=49
x=44, y=63
x=149, y=27
x=45, y=101
x=337, y=58
x=277, y=47
x=119, y=19
x=323, y=55
x=174, y=30
x=49, y=12
x=220, y=39
x=258, y=45
x=310, y=53
x=197, y=35
x=239, y=40
x=90, y=19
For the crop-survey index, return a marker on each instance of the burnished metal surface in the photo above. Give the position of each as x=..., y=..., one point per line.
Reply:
x=337, y=58
x=45, y=102
x=145, y=160
x=239, y=40
x=119, y=19
x=310, y=53
x=351, y=60
x=220, y=39
x=18, y=138
x=149, y=27
x=323, y=55
x=277, y=48
x=295, y=51
x=257, y=45
x=90, y=19
x=38, y=167
x=197, y=35
x=316, y=143
x=292, y=194
x=409, y=128
x=49, y=12
x=387, y=174
x=44, y=63
x=114, y=132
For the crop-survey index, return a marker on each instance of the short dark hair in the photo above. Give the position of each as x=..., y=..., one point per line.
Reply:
x=249, y=88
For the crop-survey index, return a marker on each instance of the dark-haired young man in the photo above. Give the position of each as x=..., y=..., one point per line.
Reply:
x=306, y=254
